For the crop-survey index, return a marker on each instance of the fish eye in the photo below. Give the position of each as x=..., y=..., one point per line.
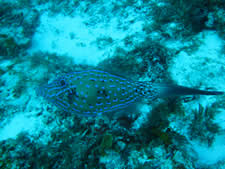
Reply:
x=143, y=92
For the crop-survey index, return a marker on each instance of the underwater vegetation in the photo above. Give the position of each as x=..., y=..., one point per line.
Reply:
x=8, y=46
x=157, y=125
x=202, y=126
x=5, y=11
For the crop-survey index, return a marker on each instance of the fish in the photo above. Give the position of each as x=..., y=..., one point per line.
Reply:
x=93, y=92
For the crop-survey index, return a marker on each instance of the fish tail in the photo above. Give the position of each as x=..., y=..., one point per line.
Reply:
x=166, y=90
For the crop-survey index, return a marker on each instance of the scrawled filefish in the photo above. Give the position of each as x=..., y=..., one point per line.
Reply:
x=93, y=92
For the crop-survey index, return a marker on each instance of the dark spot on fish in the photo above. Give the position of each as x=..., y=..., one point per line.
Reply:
x=102, y=92
x=72, y=95
x=62, y=82
x=73, y=92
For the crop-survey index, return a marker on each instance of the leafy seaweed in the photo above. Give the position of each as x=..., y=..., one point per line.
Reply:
x=106, y=143
x=202, y=125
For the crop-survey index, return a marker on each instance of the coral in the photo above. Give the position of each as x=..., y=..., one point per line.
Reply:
x=2, y=72
x=19, y=26
x=218, y=21
x=103, y=41
x=19, y=89
x=65, y=151
x=137, y=61
x=196, y=12
x=5, y=10
x=112, y=160
x=188, y=17
x=24, y=3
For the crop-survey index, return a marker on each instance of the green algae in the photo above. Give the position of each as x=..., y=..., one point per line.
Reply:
x=106, y=143
x=9, y=46
x=163, y=136
x=203, y=126
x=2, y=72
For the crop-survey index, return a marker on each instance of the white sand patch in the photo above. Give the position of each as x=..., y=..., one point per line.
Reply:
x=220, y=118
x=69, y=36
x=18, y=124
x=205, y=67
x=29, y=121
x=210, y=155
x=144, y=110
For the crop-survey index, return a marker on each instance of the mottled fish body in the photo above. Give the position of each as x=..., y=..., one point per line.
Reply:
x=93, y=92
x=90, y=92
